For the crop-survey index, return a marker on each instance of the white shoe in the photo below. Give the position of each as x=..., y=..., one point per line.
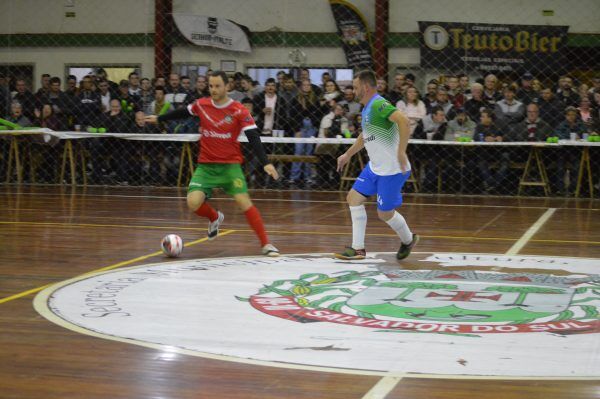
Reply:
x=213, y=227
x=270, y=250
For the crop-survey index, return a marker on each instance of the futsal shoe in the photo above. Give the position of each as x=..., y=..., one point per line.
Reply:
x=405, y=249
x=351, y=254
x=270, y=250
x=213, y=227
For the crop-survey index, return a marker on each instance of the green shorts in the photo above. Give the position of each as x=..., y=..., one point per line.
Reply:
x=229, y=177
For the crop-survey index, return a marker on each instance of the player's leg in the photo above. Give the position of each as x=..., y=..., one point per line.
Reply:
x=237, y=187
x=389, y=197
x=364, y=187
x=199, y=190
x=255, y=221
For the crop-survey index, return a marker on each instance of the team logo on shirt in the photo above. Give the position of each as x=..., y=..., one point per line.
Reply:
x=228, y=119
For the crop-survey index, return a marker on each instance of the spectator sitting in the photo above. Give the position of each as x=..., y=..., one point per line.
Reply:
x=490, y=94
x=571, y=125
x=475, y=104
x=17, y=116
x=397, y=93
x=432, y=126
x=587, y=114
x=526, y=94
x=442, y=101
x=140, y=126
x=455, y=96
x=464, y=85
x=508, y=110
x=532, y=128
x=160, y=105
x=460, y=127
x=146, y=96
x=47, y=119
x=200, y=89
x=551, y=109
x=430, y=96
x=382, y=88
x=565, y=92
x=116, y=121
x=332, y=92
x=487, y=130
x=412, y=107
x=349, y=103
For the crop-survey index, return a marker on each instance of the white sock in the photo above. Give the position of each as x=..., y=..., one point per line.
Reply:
x=398, y=224
x=359, y=226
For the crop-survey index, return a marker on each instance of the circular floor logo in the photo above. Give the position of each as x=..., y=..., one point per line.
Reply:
x=437, y=313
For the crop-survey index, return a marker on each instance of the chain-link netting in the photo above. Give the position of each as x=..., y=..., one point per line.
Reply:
x=474, y=78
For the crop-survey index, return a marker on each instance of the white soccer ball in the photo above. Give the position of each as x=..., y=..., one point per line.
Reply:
x=172, y=245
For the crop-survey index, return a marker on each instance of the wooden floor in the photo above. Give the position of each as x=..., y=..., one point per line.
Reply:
x=49, y=234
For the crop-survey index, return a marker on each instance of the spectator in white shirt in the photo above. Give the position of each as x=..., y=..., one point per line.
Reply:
x=412, y=107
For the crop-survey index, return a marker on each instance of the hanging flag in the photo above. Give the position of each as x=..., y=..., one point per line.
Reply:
x=354, y=33
x=213, y=32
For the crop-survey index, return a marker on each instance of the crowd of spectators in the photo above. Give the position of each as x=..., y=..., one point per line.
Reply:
x=450, y=108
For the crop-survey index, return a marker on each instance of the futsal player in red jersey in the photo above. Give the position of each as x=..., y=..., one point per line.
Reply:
x=222, y=120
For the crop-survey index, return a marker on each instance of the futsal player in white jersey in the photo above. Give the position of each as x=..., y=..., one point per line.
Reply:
x=385, y=132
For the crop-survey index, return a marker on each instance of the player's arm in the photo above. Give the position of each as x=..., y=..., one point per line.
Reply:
x=343, y=159
x=258, y=150
x=180, y=113
x=403, y=127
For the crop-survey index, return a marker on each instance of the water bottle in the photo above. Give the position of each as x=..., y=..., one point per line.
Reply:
x=481, y=137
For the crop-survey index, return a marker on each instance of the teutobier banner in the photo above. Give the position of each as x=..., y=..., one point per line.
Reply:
x=214, y=32
x=492, y=47
x=354, y=34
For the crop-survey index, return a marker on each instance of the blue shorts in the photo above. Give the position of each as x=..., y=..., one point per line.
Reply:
x=387, y=188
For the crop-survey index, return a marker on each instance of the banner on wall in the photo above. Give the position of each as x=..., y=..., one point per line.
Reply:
x=221, y=33
x=492, y=47
x=354, y=34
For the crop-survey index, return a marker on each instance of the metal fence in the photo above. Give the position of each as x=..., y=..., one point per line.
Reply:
x=490, y=72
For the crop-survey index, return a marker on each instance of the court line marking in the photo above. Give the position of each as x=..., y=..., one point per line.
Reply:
x=41, y=300
x=383, y=387
x=179, y=198
x=106, y=268
x=521, y=242
x=86, y=225
x=387, y=384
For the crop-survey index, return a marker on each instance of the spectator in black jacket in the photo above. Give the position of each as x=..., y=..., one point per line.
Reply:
x=62, y=104
x=551, y=109
x=25, y=98
x=88, y=105
x=488, y=130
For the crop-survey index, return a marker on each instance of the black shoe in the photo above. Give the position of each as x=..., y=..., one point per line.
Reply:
x=405, y=249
